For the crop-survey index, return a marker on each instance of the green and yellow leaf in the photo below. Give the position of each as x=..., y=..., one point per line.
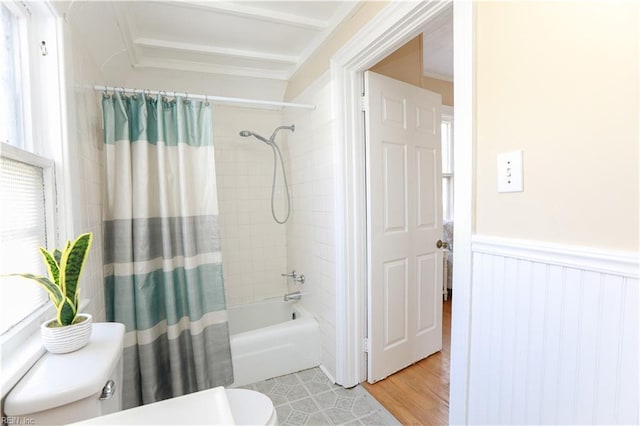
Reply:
x=66, y=312
x=52, y=266
x=72, y=264
x=65, y=268
x=55, y=293
x=57, y=255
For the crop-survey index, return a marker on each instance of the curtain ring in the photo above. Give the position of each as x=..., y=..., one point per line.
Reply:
x=186, y=99
x=206, y=100
x=163, y=93
x=147, y=93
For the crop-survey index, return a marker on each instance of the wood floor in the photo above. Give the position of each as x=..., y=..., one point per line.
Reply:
x=419, y=394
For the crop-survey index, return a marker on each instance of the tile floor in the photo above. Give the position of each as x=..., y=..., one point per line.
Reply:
x=309, y=398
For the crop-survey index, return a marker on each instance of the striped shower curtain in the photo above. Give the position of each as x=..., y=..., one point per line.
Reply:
x=163, y=266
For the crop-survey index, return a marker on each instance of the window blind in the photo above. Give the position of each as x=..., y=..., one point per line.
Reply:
x=22, y=231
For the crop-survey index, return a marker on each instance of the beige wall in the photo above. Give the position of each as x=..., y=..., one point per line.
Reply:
x=405, y=64
x=315, y=66
x=445, y=88
x=559, y=80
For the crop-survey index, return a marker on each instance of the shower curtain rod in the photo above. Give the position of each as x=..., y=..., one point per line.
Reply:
x=217, y=99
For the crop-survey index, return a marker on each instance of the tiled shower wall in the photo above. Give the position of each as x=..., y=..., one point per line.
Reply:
x=254, y=246
x=310, y=232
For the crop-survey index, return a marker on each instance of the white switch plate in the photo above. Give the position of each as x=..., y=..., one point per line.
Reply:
x=510, y=172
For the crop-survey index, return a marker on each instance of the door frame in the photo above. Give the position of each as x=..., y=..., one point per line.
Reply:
x=392, y=27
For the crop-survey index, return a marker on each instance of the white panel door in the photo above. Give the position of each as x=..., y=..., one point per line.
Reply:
x=404, y=190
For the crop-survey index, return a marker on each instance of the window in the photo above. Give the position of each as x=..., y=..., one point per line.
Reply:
x=447, y=165
x=23, y=228
x=11, y=64
x=27, y=184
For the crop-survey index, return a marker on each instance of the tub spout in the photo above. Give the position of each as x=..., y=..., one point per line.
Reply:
x=296, y=295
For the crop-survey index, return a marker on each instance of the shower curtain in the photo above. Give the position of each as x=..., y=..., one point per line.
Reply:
x=163, y=266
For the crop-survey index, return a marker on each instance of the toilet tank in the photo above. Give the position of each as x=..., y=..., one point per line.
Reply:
x=66, y=388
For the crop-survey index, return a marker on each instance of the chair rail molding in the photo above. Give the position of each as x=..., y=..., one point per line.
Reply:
x=612, y=262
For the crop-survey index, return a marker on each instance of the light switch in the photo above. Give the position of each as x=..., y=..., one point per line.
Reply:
x=510, y=172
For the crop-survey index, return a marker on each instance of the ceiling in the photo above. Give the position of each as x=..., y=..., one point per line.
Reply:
x=437, y=44
x=262, y=42
x=263, y=39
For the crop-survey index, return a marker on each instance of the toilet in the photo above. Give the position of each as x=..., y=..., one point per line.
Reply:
x=61, y=389
x=84, y=386
x=251, y=408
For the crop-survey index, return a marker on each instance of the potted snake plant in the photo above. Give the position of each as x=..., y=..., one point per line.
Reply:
x=70, y=330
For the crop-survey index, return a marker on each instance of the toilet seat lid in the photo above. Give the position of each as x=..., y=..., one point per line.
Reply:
x=249, y=407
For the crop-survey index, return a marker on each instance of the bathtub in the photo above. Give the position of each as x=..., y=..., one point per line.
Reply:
x=270, y=339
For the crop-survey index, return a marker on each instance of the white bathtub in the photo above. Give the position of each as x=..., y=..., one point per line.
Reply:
x=266, y=342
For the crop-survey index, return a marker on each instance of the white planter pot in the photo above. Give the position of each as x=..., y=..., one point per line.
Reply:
x=69, y=338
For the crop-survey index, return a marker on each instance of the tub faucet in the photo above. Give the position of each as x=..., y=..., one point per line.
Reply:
x=296, y=295
x=296, y=277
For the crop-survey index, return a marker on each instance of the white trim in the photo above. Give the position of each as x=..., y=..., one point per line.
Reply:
x=327, y=373
x=48, y=175
x=463, y=207
x=262, y=14
x=598, y=260
x=19, y=154
x=20, y=347
x=242, y=71
x=345, y=11
x=213, y=50
x=392, y=27
x=126, y=28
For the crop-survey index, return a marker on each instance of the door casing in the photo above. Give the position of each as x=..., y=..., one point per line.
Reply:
x=396, y=24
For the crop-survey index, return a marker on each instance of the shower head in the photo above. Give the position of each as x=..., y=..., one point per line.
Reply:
x=271, y=140
x=247, y=133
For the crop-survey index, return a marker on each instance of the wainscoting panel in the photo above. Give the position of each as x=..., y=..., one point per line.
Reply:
x=554, y=336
